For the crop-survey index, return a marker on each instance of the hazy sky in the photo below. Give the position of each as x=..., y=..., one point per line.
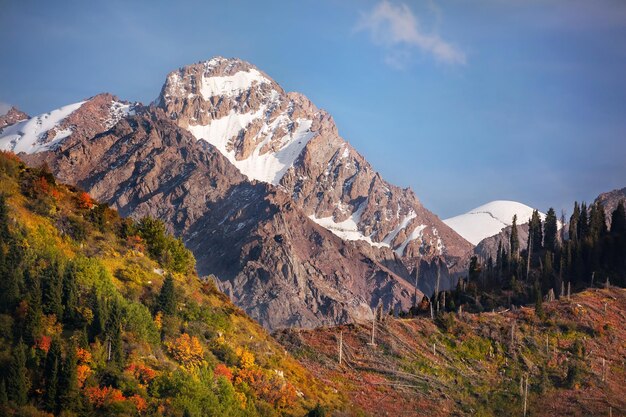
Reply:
x=465, y=102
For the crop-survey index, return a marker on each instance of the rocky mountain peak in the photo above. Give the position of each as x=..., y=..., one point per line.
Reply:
x=13, y=116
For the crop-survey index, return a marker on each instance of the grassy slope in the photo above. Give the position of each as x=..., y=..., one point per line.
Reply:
x=476, y=366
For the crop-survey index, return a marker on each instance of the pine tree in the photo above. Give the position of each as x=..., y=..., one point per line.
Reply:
x=114, y=334
x=34, y=314
x=52, y=290
x=52, y=366
x=100, y=314
x=538, y=301
x=4, y=398
x=573, y=223
x=69, y=398
x=514, y=241
x=166, y=301
x=618, y=220
x=17, y=388
x=550, y=229
x=536, y=232
x=70, y=295
x=583, y=223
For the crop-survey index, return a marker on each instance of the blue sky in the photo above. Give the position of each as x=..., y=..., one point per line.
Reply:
x=465, y=102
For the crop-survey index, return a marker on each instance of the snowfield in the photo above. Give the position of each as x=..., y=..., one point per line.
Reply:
x=489, y=219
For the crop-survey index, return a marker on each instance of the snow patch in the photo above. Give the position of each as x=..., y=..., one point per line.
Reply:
x=415, y=234
x=117, y=112
x=348, y=229
x=268, y=167
x=34, y=135
x=231, y=85
x=404, y=223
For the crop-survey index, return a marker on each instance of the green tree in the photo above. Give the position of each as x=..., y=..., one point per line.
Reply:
x=573, y=223
x=52, y=366
x=17, y=388
x=583, y=222
x=52, y=289
x=69, y=398
x=550, y=230
x=535, y=232
x=4, y=398
x=514, y=240
x=34, y=313
x=70, y=295
x=618, y=220
x=166, y=301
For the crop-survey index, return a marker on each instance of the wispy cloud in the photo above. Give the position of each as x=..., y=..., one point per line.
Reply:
x=398, y=30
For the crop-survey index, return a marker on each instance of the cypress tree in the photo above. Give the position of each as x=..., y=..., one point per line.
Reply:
x=52, y=366
x=166, y=302
x=550, y=229
x=17, y=388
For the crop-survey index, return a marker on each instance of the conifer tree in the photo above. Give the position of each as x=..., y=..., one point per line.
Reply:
x=52, y=289
x=114, y=333
x=4, y=398
x=32, y=322
x=17, y=387
x=618, y=220
x=550, y=229
x=573, y=223
x=70, y=295
x=536, y=232
x=68, y=382
x=166, y=301
x=583, y=222
x=52, y=366
x=514, y=241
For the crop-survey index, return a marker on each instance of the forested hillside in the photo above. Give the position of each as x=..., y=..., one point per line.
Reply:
x=101, y=315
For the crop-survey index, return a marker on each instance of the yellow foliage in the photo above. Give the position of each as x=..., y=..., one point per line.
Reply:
x=242, y=399
x=187, y=350
x=158, y=320
x=246, y=358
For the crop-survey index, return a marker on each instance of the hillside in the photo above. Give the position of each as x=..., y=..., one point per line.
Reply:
x=101, y=315
x=473, y=364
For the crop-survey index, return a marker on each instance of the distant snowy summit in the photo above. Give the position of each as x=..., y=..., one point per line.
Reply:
x=489, y=219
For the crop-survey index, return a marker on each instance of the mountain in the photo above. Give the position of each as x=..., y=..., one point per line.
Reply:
x=297, y=226
x=281, y=138
x=101, y=315
x=489, y=219
x=610, y=200
x=12, y=116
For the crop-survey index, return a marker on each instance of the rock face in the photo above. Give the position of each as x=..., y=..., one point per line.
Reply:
x=610, y=200
x=283, y=139
x=297, y=226
x=13, y=116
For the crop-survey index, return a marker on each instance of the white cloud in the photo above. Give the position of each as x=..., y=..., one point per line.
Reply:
x=4, y=108
x=399, y=31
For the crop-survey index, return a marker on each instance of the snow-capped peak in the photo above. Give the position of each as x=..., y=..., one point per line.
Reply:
x=39, y=133
x=489, y=219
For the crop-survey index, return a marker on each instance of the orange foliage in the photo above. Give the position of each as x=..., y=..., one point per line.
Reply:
x=42, y=185
x=82, y=373
x=83, y=355
x=222, y=370
x=43, y=343
x=158, y=320
x=140, y=404
x=187, y=350
x=85, y=201
x=10, y=156
x=136, y=243
x=143, y=373
x=103, y=397
x=271, y=388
